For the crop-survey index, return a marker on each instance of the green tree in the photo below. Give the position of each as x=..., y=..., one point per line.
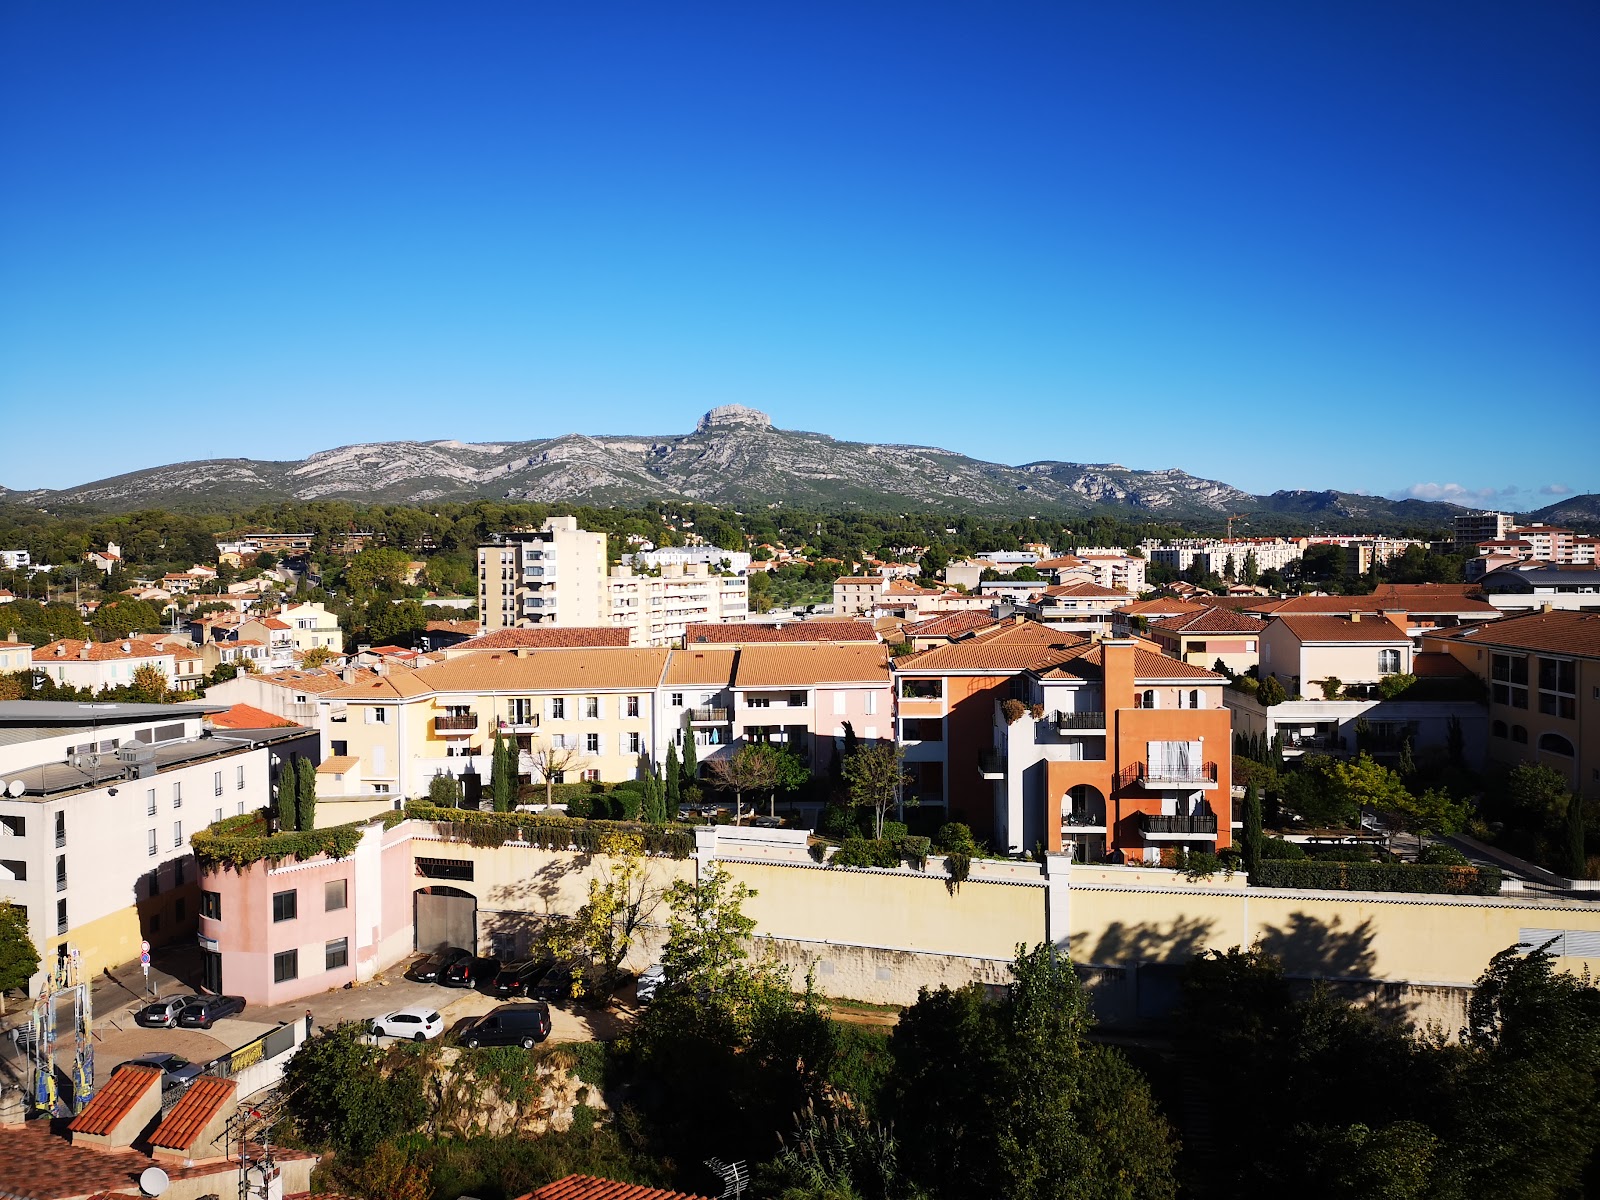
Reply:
x=377, y=569
x=1577, y=839
x=874, y=776
x=19, y=957
x=305, y=795
x=346, y=1093
x=502, y=774
x=1364, y=783
x=599, y=935
x=149, y=685
x=288, y=801
x=751, y=768
x=706, y=931
x=1270, y=692
x=690, y=773
x=674, y=781
x=444, y=791
x=1254, y=836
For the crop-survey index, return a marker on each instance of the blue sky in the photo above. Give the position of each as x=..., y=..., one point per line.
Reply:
x=1347, y=245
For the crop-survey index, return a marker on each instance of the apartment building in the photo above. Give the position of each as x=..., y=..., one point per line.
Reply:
x=1530, y=586
x=1215, y=554
x=99, y=665
x=312, y=626
x=1542, y=674
x=656, y=606
x=97, y=803
x=1415, y=607
x=1210, y=636
x=1359, y=650
x=1472, y=528
x=802, y=697
x=857, y=595
x=1083, y=608
x=555, y=576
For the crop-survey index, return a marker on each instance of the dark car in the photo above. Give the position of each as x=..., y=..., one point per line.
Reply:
x=469, y=972
x=199, y=1013
x=518, y=979
x=163, y=1013
x=176, y=1071
x=432, y=968
x=554, y=984
x=523, y=1025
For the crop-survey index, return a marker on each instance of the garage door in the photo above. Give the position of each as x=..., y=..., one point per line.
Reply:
x=446, y=916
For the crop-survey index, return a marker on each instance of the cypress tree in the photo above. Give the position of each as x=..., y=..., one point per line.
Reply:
x=1577, y=849
x=691, y=765
x=1254, y=838
x=674, y=782
x=501, y=775
x=306, y=794
x=288, y=804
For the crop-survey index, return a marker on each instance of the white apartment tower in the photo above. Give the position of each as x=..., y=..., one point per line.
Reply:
x=556, y=576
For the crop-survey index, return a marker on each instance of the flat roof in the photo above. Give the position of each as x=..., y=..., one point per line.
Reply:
x=88, y=713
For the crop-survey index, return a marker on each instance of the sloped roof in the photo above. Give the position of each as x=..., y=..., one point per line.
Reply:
x=204, y=1099
x=1084, y=590
x=337, y=765
x=72, y=649
x=1003, y=650
x=1211, y=620
x=590, y=1187
x=248, y=716
x=565, y=669
x=113, y=1102
x=1559, y=631
x=1161, y=606
x=397, y=683
x=952, y=624
x=1380, y=601
x=806, y=665
x=1343, y=629
x=794, y=631
x=1090, y=663
x=543, y=637
x=706, y=668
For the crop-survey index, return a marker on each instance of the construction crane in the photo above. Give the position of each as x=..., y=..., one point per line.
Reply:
x=1232, y=519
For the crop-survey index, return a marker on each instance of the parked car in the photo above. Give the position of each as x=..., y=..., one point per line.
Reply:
x=418, y=1023
x=470, y=971
x=176, y=1071
x=201, y=1011
x=163, y=1013
x=554, y=984
x=518, y=979
x=431, y=968
x=650, y=980
x=524, y=1025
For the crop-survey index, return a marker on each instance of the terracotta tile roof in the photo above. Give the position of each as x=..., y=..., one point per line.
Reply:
x=590, y=1187
x=206, y=1097
x=1161, y=606
x=398, y=683
x=274, y=623
x=1004, y=650
x=1381, y=601
x=860, y=579
x=1559, y=631
x=315, y=681
x=547, y=639
x=1343, y=629
x=901, y=587
x=1085, y=590
x=802, y=666
x=337, y=765
x=99, y=651
x=793, y=631
x=115, y=1100
x=467, y=627
x=1089, y=663
x=1065, y=563
x=1211, y=620
x=708, y=668
x=951, y=624
x=248, y=716
x=605, y=667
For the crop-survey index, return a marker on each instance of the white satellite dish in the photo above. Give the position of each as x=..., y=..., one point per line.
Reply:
x=152, y=1181
x=16, y=787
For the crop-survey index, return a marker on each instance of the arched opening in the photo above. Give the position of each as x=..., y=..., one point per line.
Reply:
x=1519, y=734
x=444, y=917
x=1083, y=823
x=1554, y=743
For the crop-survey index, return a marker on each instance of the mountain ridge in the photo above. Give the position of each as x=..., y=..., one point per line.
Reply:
x=734, y=456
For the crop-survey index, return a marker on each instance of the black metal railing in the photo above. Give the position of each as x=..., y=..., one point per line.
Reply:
x=991, y=762
x=1197, y=825
x=1080, y=720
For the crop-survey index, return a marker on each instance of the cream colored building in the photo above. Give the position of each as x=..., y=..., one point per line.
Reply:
x=100, y=665
x=556, y=576
x=312, y=626
x=656, y=606
x=1358, y=650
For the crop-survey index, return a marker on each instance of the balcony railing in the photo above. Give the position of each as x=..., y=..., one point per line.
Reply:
x=526, y=723
x=1198, y=826
x=1083, y=820
x=991, y=764
x=1079, y=720
x=1168, y=775
x=456, y=723
x=708, y=716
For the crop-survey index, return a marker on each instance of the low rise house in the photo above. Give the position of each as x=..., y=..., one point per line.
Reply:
x=1351, y=654
x=857, y=595
x=1084, y=608
x=1209, y=637
x=100, y=665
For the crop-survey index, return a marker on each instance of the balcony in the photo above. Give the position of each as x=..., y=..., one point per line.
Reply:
x=1067, y=722
x=526, y=723
x=709, y=716
x=458, y=724
x=991, y=764
x=1083, y=819
x=1169, y=775
x=1178, y=829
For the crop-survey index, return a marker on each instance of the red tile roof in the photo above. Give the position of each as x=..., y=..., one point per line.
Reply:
x=99, y=651
x=810, y=665
x=113, y=1102
x=1210, y=620
x=1343, y=629
x=1090, y=664
x=951, y=624
x=1087, y=590
x=1005, y=650
x=1560, y=631
x=590, y=1187
x=206, y=1097
x=248, y=716
x=794, y=631
x=541, y=639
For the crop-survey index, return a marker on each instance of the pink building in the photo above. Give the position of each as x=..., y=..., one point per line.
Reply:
x=277, y=933
x=802, y=696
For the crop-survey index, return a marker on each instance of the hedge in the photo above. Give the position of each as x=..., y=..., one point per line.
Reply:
x=237, y=842
x=549, y=832
x=1376, y=877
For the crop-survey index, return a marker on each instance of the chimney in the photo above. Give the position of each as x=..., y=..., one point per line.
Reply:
x=84, y=653
x=1355, y=616
x=1119, y=674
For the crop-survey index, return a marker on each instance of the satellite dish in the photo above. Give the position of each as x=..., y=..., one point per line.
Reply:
x=152, y=1181
x=16, y=787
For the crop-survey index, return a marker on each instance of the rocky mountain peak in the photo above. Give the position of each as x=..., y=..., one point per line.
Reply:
x=733, y=414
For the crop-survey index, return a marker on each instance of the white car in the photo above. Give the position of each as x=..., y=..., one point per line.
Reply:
x=418, y=1024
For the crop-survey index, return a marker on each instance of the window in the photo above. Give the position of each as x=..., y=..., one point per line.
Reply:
x=336, y=954
x=340, y=749
x=1558, y=687
x=758, y=702
x=591, y=708
x=217, y=815
x=1519, y=734
x=380, y=716
x=558, y=708
x=444, y=868
x=216, y=783
x=1388, y=662
x=798, y=699
x=590, y=776
x=61, y=916
x=285, y=966
x=1498, y=729
x=1197, y=647
x=591, y=743
x=335, y=895
x=635, y=743
x=921, y=689
x=238, y=776
x=380, y=789
x=1554, y=743
x=285, y=906
x=177, y=909
x=1145, y=699
x=241, y=808
x=177, y=834
x=1250, y=646
x=151, y=844
x=633, y=706
x=61, y=829
x=178, y=872
x=177, y=794
x=677, y=699
x=61, y=872
x=1194, y=698
x=211, y=905
x=922, y=729
x=1509, y=676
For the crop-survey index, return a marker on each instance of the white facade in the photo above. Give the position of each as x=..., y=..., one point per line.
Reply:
x=656, y=608
x=554, y=577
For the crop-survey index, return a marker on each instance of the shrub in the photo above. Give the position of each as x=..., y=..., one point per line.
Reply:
x=866, y=852
x=1344, y=853
x=1270, y=692
x=580, y=806
x=549, y=832
x=1331, y=687
x=1281, y=850
x=957, y=865
x=1246, y=684
x=1012, y=710
x=840, y=821
x=1391, y=686
x=915, y=850
x=1379, y=877
x=954, y=837
x=894, y=831
x=239, y=841
x=1442, y=856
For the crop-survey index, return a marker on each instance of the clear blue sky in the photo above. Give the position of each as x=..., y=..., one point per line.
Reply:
x=1349, y=244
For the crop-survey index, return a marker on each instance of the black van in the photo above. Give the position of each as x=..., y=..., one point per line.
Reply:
x=522, y=1025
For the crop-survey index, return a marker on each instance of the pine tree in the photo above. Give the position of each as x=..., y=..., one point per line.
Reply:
x=674, y=785
x=288, y=803
x=305, y=795
x=1253, y=835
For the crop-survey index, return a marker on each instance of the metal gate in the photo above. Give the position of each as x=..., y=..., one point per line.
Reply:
x=445, y=916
